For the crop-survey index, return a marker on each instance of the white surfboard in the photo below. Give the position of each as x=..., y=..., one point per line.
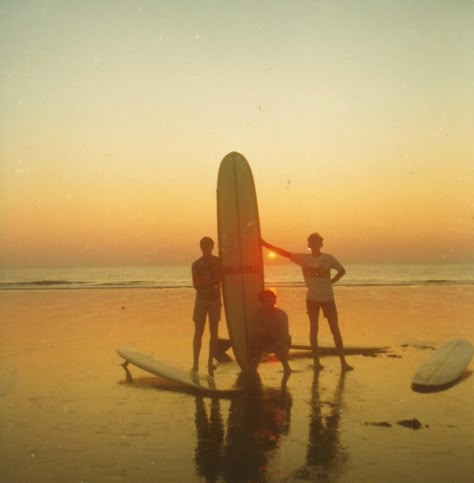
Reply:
x=324, y=350
x=189, y=379
x=240, y=250
x=330, y=350
x=445, y=365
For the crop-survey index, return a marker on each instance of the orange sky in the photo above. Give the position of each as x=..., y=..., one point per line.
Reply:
x=356, y=122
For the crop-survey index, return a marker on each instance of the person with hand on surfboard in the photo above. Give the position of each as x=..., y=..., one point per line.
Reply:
x=316, y=267
x=272, y=329
x=207, y=276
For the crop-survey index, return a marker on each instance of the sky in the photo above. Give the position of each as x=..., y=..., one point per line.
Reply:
x=356, y=118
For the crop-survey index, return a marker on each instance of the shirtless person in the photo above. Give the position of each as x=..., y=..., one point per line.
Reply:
x=272, y=329
x=316, y=267
x=207, y=275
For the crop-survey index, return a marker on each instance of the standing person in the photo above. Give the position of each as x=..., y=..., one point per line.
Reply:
x=272, y=332
x=207, y=276
x=316, y=267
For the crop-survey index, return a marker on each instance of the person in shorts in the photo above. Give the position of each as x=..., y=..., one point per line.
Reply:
x=316, y=267
x=207, y=275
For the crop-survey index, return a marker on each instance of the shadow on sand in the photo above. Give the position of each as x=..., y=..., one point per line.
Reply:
x=444, y=387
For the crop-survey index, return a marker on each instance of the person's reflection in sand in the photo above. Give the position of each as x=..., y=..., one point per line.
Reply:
x=257, y=419
x=324, y=451
x=210, y=439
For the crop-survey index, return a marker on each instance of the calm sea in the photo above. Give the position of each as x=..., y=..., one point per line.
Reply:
x=179, y=276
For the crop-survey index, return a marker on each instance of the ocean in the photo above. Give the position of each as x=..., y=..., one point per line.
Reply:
x=179, y=276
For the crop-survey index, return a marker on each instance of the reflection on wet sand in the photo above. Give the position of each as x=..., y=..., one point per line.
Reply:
x=210, y=431
x=257, y=419
x=325, y=454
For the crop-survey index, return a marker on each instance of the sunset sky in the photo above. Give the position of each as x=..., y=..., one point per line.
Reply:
x=357, y=119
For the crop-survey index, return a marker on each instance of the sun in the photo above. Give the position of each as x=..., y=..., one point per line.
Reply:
x=272, y=255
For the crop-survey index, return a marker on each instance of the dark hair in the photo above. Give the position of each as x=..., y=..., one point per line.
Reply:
x=206, y=239
x=266, y=294
x=314, y=235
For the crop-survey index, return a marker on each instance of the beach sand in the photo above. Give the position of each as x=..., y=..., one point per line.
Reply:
x=67, y=414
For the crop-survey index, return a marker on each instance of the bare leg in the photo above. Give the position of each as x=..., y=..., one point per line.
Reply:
x=282, y=356
x=286, y=367
x=313, y=339
x=336, y=333
x=197, y=342
x=214, y=331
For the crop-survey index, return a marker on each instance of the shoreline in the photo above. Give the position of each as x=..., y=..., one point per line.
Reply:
x=279, y=285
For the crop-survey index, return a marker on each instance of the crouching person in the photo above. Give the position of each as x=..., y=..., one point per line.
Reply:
x=272, y=329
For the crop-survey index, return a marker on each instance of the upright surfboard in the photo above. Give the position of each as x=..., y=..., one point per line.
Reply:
x=238, y=227
x=445, y=365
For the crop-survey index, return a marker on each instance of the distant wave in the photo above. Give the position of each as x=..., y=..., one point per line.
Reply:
x=180, y=284
x=131, y=283
x=73, y=285
x=41, y=283
x=377, y=283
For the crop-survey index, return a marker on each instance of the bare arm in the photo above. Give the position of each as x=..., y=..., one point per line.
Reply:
x=203, y=279
x=195, y=276
x=278, y=250
x=284, y=329
x=340, y=273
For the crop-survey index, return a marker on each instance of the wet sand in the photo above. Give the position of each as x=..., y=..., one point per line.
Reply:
x=67, y=414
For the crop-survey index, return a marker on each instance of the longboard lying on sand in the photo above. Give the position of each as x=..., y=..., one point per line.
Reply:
x=189, y=379
x=224, y=344
x=445, y=365
x=329, y=350
x=240, y=250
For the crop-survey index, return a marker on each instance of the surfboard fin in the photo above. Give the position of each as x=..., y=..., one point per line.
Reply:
x=128, y=374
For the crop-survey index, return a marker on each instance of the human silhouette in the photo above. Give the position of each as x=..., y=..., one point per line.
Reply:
x=272, y=332
x=316, y=267
x=207, y=276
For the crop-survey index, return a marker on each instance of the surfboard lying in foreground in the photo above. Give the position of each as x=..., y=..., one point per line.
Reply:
x=445, y=365
x=328, y=350
x=325, y=350
x=190, y=380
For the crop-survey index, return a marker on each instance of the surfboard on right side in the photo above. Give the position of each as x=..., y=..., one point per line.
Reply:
x=445, y=365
